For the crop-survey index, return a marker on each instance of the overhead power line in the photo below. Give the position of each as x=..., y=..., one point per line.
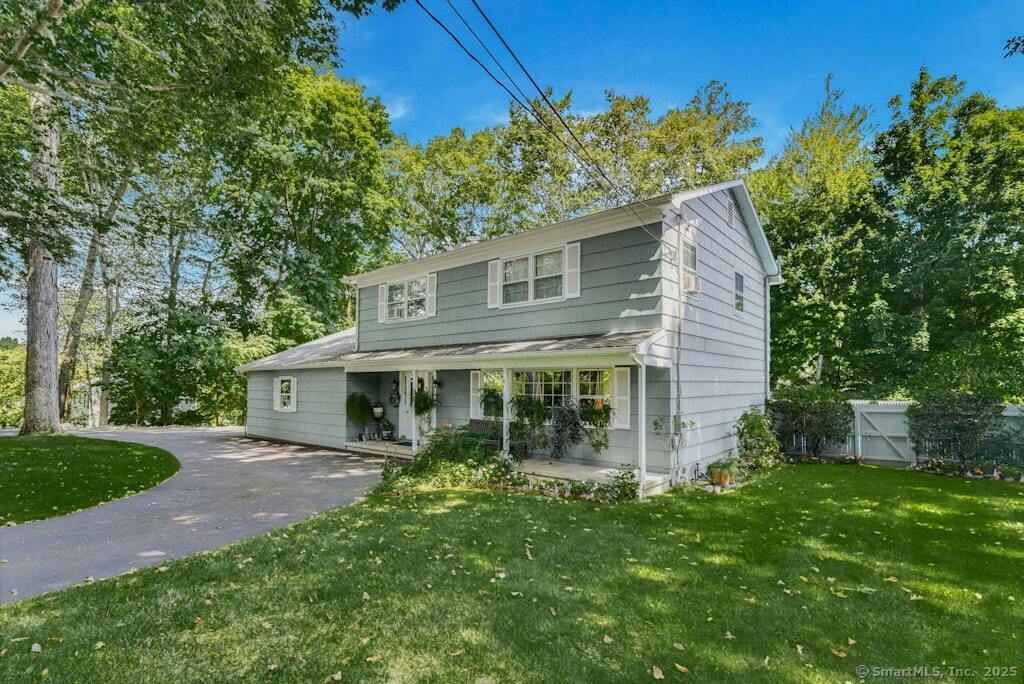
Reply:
x=589, y=164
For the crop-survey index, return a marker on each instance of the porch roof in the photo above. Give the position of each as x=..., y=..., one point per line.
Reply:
x=336, y=351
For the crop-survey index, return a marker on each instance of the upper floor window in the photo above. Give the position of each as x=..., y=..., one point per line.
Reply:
x=532, y=278
x=547, y=275
x=739, y=293
x=688, y=281
x=407, y=300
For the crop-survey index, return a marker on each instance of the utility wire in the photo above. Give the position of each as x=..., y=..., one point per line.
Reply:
x=621, y=190
x=588, y=165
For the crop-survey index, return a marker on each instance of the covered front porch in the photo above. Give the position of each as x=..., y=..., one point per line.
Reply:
x=559, y=369
x=533, y=468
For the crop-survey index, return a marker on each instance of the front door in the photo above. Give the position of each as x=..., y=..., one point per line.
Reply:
x=425, y=380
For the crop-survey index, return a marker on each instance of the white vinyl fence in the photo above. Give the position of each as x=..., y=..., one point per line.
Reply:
x=879, y=431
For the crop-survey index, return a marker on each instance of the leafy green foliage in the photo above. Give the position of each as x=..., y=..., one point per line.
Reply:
x=359, y=408
x=566, y=430
x=492, y=403
x=949, y=425
x=423, y=401
x=757, y=446
x=820, y=414
x=528, y=427
x=48, y=475
x=725, y=471
x=12, y=385
x=452, y=458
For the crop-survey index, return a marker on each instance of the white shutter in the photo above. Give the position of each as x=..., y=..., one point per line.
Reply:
x=572, y=270
x=475, y=379
x=493, y=284
x=277, y=394
x=620, y=398
x=431, y=294
x=382, y=303
x=294, y=406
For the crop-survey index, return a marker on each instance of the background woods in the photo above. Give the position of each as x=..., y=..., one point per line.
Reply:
x=177, y=198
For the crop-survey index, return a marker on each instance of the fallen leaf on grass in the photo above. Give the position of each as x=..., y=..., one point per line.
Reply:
x=838, y=654
x=891, y=578
x=99, y=645
x=366, y=597
x=799, y=650
x=456, y=654
x=681, y=668
x=607, y=639
x=373, y=659
x=850, y=641
x=678, y=646
x=657, y=673
x=336, y=677
x=37, y=648
x=728, y=635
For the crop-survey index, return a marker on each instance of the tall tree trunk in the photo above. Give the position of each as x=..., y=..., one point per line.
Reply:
x=69, y=356
x=111, y=293
x=41, y=406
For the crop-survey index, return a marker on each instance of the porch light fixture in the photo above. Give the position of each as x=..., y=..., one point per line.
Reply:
x=436, y=384
x=378, y=410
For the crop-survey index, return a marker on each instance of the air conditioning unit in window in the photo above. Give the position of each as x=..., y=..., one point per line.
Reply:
x=689, y=282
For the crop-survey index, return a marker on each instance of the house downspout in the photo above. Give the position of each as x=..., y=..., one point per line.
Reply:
x=769, y=280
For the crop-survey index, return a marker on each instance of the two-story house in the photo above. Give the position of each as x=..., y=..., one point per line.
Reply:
x=660, y=308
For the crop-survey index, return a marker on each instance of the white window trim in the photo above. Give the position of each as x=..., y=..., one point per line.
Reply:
x=740, y=294
x=575, y=383
x=530, y=301
x=405, y=300
x=688, y=236
x=277, y=393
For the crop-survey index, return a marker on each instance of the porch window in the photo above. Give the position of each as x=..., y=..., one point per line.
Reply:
x=552, y=387
x=284, y=394
x=594, y=385
x=533, y=277
x=407, y=300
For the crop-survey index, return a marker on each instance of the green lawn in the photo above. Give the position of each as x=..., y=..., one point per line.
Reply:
x=800, y=576
x=49, y=475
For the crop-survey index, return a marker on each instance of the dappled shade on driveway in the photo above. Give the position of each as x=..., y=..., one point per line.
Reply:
x=229, y=487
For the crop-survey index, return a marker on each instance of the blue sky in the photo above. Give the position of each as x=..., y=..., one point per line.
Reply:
x=774, y=55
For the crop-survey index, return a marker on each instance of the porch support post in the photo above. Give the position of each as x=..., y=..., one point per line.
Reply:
x=641, y=388
x=412, y=401
x=506, y=412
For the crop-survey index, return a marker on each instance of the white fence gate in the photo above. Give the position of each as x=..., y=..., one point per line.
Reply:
x=880, y=433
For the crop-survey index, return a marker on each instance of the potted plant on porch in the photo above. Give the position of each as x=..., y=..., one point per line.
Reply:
x=359, y=409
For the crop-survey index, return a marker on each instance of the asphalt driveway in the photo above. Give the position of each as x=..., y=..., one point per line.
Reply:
x=229, y=487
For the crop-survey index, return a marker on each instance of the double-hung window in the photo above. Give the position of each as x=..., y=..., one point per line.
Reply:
x=594, y=387
x=533, y=277
x=688, y=282
x=407, y=300
x=284, y=394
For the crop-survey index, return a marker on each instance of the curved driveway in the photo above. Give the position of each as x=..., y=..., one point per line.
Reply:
x=229, y=487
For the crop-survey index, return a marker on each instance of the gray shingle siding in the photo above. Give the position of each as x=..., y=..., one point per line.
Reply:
x=319, y=416
x=620, y=278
